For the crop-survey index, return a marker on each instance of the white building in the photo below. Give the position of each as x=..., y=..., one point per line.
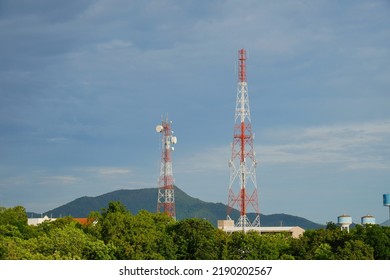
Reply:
x=228, y=226
x=37, y=221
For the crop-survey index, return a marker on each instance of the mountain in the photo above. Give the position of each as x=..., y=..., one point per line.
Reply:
x=386, y=223
x=186, y=207
x=33, y=215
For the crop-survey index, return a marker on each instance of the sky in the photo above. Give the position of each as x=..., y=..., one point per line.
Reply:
x=83, y=85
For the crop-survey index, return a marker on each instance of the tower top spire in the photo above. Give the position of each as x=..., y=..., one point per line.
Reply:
x=242, y=65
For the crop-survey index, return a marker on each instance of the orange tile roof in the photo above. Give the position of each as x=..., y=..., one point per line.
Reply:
x=83, y=221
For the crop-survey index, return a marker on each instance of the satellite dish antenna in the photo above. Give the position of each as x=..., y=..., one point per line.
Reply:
x=159, y=128
x=174, y=140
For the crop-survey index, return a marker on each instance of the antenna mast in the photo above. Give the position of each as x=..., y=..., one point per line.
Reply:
x=243, y=186
x=166, y=196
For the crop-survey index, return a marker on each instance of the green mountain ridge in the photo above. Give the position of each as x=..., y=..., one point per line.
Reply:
x=186, y=207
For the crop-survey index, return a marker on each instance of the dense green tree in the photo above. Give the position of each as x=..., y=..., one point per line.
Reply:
x=331, y=226
x=68, y=242
x=323, y=252
x=355, y=250
x=117, y=234
x=221, y=244
x=15, y=248
x=47, y=226
x=196, y=239
x=63, y=243
x=97, y=250
x=115, y=226
x=162, y=241
x=10, y=230
x=94, y=225
x=331, y=243
x=255, y=246
x=238, y=247
x=148, y=237
x=143, y=236
x=16, y=216
x=377, y=237
x=13, y=216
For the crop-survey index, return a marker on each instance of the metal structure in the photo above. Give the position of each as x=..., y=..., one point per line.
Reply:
x=386, y=202
x=344, y=221
x=166, y=192
x=368, y=220
x=243, y=187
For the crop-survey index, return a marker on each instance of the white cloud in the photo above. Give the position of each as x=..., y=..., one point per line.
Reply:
x=57, y=139
x=58, y=180
x=349, y=146
x=353, y=146
x=114, y=44
x=106, y=171
x=113, y=171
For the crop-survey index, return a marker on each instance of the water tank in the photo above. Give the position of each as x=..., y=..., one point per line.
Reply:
x=344, y=220
x=386, y=199
x=368, y=219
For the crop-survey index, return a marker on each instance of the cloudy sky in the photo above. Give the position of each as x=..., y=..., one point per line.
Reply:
x=84, y=83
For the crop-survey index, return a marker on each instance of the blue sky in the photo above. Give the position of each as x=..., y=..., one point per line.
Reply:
x=84, y=83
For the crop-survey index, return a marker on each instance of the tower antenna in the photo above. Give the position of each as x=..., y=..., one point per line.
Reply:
x=166, y=192
x=243, y=187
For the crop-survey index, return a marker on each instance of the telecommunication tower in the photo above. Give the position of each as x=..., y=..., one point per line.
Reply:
x=243, y=187
x=166, y=192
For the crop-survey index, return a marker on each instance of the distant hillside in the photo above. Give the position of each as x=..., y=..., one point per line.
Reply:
x=386, y=223
x=186, y=207
x=33, y=215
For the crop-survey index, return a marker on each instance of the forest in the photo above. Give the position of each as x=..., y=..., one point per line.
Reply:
x=116, y=234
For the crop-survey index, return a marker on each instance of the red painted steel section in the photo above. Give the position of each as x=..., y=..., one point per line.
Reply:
x=166, y=180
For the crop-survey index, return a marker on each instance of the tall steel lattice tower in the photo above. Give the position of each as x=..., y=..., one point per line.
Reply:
x=166, y=193
x=243, y=186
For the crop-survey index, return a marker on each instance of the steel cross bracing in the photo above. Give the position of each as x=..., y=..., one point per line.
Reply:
x=166, y=197
x=243, y=186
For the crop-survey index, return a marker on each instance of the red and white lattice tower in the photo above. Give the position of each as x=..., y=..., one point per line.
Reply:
x=166, y=193
x=243, y=186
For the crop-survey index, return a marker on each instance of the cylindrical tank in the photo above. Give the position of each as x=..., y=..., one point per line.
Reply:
x=344, y=220
x=386, y=199
x=368, y=219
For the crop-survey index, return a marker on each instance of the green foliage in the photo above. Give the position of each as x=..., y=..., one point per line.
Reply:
x=116, y=233
x=63, y=243
x=13, y=216
x=141, y=237
x=323, y=252
x=254, y=246
x=377, y=237
x=331, y=226
x=16, y=217
x=334, y=244
x=356, y=250
x=238, y=247
x=196, y=239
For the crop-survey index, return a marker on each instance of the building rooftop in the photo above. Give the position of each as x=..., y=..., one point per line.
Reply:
x=228, y=226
